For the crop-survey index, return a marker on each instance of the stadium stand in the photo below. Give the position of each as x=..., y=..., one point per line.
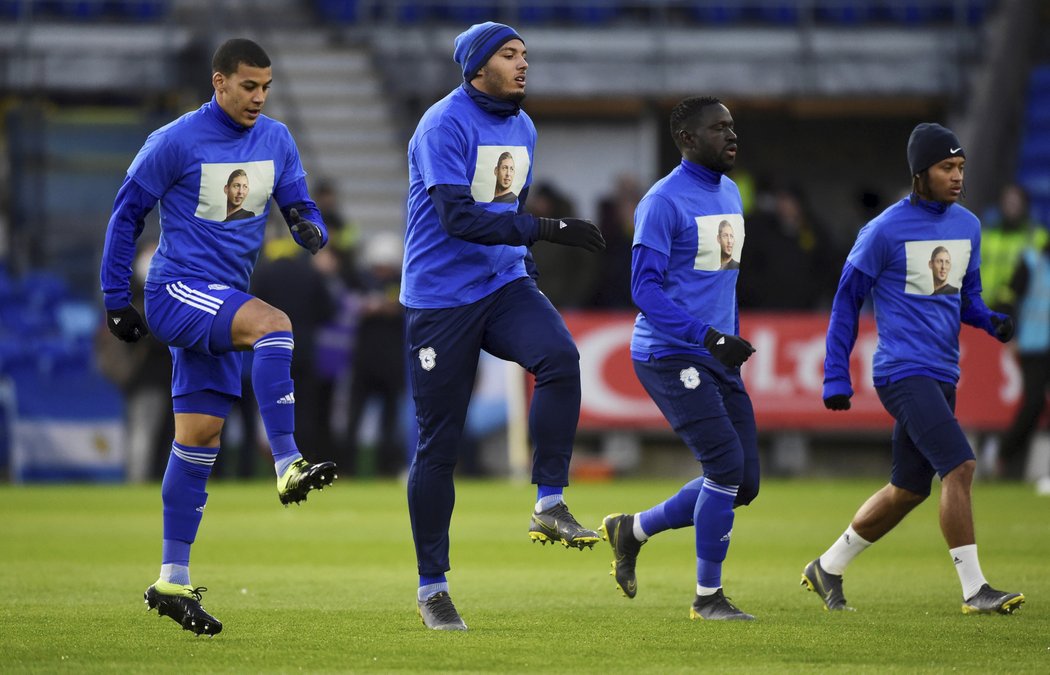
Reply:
x=83, y=11
x=1033, y=170
x=717, y=12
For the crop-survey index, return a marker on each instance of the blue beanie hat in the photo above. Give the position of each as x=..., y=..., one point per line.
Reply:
x=476, y=45
x=929, y=143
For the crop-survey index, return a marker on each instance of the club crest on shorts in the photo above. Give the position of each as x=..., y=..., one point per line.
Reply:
x=217, y=287
x=690, y=378
x=427, y=358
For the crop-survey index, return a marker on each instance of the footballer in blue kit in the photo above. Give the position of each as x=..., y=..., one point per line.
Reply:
x=468, y=284
x=919, y=261
x=687, y=352
x=214, y=172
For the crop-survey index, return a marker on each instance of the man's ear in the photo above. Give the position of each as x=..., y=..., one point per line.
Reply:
x=218, y=80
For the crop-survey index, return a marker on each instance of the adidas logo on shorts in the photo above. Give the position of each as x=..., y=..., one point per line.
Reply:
x=287, y=399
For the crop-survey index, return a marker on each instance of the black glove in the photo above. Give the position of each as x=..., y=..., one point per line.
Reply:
x=837, y=402
x=572, y=232
x=731, y=350
x=309, y=233
x=1003, y=327
x=126, y=324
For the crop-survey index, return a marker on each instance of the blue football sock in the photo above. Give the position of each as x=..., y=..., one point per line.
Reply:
x=547, y=496
x=275, y=391
x=183, y=497
x=714, y=526
x=675, y=512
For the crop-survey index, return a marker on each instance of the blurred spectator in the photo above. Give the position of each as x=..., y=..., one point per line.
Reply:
x=1002, y=242
x=795, y=260
x=294, y=284
x=378, y=371
x=343, y=235
x=142, y=372
x=616, y=220
x=1031, y=286
x=567, y=276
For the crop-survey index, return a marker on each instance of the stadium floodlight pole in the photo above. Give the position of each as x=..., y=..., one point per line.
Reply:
x=517, y=423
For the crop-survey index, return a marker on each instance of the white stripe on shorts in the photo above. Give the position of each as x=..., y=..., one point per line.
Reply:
x=198, y=295
x=195, y=302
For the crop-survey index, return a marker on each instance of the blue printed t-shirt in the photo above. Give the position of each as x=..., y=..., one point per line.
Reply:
x=919, y=256
x=458, y=143
x=682, y=217
x=212, y=216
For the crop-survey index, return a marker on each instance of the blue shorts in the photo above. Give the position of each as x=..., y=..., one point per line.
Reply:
x=194, y=318
x=708, y=407
x=926, y=438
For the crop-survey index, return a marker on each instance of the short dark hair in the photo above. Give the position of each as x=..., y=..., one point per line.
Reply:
x=232, y=53
x=686, y=109
x=938, y=250
x=236, y=172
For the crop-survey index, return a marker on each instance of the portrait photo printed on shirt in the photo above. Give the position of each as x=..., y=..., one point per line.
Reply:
x=500, y=173
x=936, y=267
x=234, y=190
x=720, y=239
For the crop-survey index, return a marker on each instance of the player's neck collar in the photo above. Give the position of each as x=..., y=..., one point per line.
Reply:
x=225, y=120
x=707, y=177
x=930, y=206
x=490, y=104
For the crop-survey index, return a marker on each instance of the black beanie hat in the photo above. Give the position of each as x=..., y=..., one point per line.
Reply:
x=929, y=143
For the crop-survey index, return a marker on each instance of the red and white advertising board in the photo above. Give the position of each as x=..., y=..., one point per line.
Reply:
x=784, y=376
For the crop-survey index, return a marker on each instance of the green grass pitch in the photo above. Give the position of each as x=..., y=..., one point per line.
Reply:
x=330, y=586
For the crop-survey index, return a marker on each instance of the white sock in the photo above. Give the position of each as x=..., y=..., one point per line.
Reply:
x=969, y=569
x=704, y=590
x=424, y=592
x=843, y=551
x=545, y=503
x=178, y=574
x=639, y=533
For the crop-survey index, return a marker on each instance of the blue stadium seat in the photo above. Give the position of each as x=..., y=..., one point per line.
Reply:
x=42, y=287
x=529, y=13
x=844, y=12
x=1037, y=107
x=593, y=12
x=78, y=10
x=139, y=10
x=717, y=13
x=467, y=14
x=343, y=11
x=1039, y=79
x=10, y=9
x=776, y=13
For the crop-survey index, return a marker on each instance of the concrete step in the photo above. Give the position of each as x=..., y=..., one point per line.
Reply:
x=379, y=139
x=324, y=64
x=378, y=165
x=356, y=87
